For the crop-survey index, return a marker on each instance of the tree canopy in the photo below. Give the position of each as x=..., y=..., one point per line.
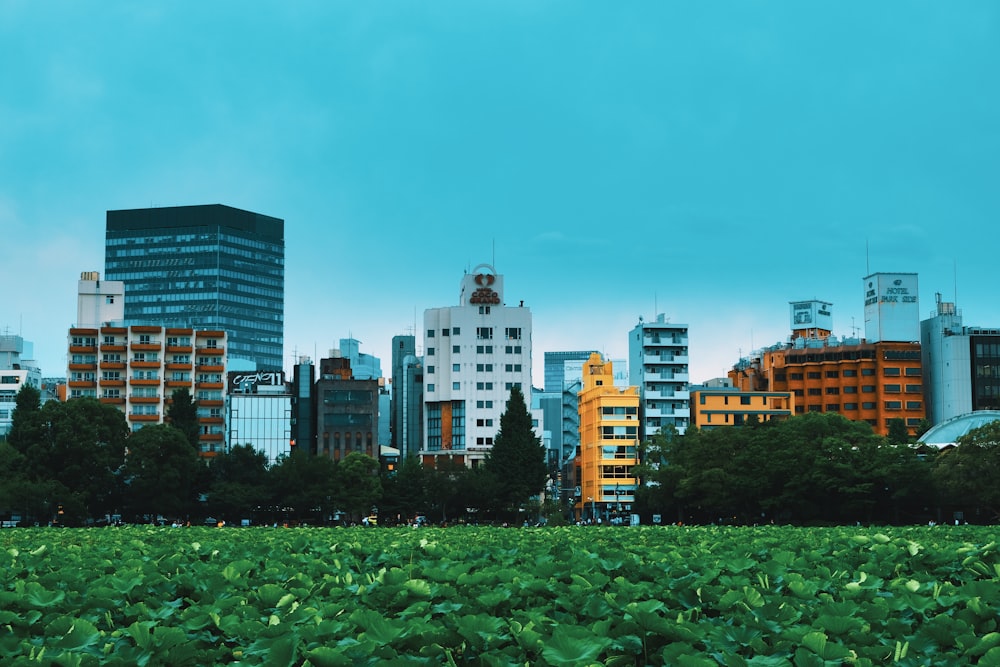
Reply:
x=517, y=459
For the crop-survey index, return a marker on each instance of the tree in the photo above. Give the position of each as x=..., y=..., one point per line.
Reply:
x=358, y=485
x=182, y=414
x=238, y=483
x=26, y=426
x=969, y=473
x=517, y=458
x=80, y=445
x=303, y=486
x=161, y=470
x=898, y=432
x=405, y=490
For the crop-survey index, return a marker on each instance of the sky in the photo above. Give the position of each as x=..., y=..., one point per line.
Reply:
x=710, y=161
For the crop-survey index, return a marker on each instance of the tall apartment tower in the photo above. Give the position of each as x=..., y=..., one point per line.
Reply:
x=658, y=365
x=474, y=354
x=406, y=427
x=204, y=267
x=609, y=444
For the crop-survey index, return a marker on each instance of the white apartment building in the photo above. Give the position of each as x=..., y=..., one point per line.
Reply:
x=658, y=365
x=474, y=353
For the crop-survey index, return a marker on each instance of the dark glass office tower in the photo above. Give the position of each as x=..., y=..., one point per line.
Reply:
x=204, y=267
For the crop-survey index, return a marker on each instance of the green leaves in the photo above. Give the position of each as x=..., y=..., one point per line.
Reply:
x=763, y=597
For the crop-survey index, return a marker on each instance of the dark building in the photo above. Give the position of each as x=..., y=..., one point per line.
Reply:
x=346, y=412
x=304, y=407
x=407, y=413
x=204, y=267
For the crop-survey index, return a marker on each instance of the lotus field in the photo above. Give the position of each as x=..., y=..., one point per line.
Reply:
x=494, y=596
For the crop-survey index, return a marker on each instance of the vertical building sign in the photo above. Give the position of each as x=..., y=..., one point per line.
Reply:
x=892, y=311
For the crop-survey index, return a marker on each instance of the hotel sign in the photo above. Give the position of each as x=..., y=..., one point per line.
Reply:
x=484, y=293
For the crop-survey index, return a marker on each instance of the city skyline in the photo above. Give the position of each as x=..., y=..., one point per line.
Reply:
x=710, y=163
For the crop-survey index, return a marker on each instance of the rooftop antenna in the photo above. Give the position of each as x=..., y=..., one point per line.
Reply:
x=868, y=270
x=493, y=253
x=954, y=269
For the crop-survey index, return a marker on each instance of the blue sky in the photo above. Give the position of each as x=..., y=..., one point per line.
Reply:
x=712, y=160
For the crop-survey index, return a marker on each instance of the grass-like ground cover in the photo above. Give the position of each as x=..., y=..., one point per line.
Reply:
x=493, y=596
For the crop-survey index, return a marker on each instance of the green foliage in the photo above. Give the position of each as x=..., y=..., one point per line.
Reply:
x=969, y=474
x=812, y=468
x=358, y=485
x=182, y=414
x=556, y=596
x=304, y=486
x=161, y=471
x=517, y=459
x=238, y=484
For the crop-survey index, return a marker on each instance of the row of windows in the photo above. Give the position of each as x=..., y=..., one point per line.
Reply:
x=867, y=405
x=482, y=368
x=480, y=386
x=510, y=333
x=480, y=349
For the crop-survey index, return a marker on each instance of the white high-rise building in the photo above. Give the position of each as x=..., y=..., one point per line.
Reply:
x=658, y=365
x=474, y=353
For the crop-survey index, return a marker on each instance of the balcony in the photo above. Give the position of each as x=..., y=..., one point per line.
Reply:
x=180, y=349
x=83, y=349
x=177, y=384
x=209, y=385
x=145, y=347
x=113, y=400
x=154, y=363
x=178, y=366
x=210, y=402
x=210, y=437
x=143, y=418
x=143, y=399
x=82, y=384
x=112, y=347
x=144, y=382
x=209, y=368
x=112, y=383
x=83, y=366
x=112, y=365
x=210, y=420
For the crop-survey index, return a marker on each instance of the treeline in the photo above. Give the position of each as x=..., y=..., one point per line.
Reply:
x=818, y=468
x=78, y=463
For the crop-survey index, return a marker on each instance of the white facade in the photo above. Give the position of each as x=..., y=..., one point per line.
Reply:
x=892, y=311
x=99, y=302
x=658, y=365
x=474, y=353
x=810, y=315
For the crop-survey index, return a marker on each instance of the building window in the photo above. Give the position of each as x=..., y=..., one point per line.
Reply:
x=832, y=374
x=445, y=332
x=850, y=406
x=512, y=333
x=914, y=372
x=914, y=388
x=484, y=333
x=455, y=368
x=484, y=310
x=868, y=389
x=815, y=391
x=430, y=370
x=868, y=405
x=484, y=368
x=893, y=405
x=892, y=388
x=144, y=339
x=430, y=333
x=814, y=375
x=890, y=372
x=914, y=405
x=868, y=371
x=833, y=390
x=850, y=390
x=850, y=373
x=430, y=352
x=430, y=387
x=456, y=386
x=455, y=331
x=833, y=407
x=484, y=349
x=455, y=349
x=795, y=376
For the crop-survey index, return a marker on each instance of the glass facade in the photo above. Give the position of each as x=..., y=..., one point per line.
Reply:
x=203, y=267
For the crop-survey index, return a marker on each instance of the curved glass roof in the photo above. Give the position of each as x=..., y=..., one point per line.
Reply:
x=949, y=431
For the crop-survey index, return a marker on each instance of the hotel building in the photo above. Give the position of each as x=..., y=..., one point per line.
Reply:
x=474, y=354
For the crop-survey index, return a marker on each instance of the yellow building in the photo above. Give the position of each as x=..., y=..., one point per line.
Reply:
x=712, y=408
x=609, y=440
